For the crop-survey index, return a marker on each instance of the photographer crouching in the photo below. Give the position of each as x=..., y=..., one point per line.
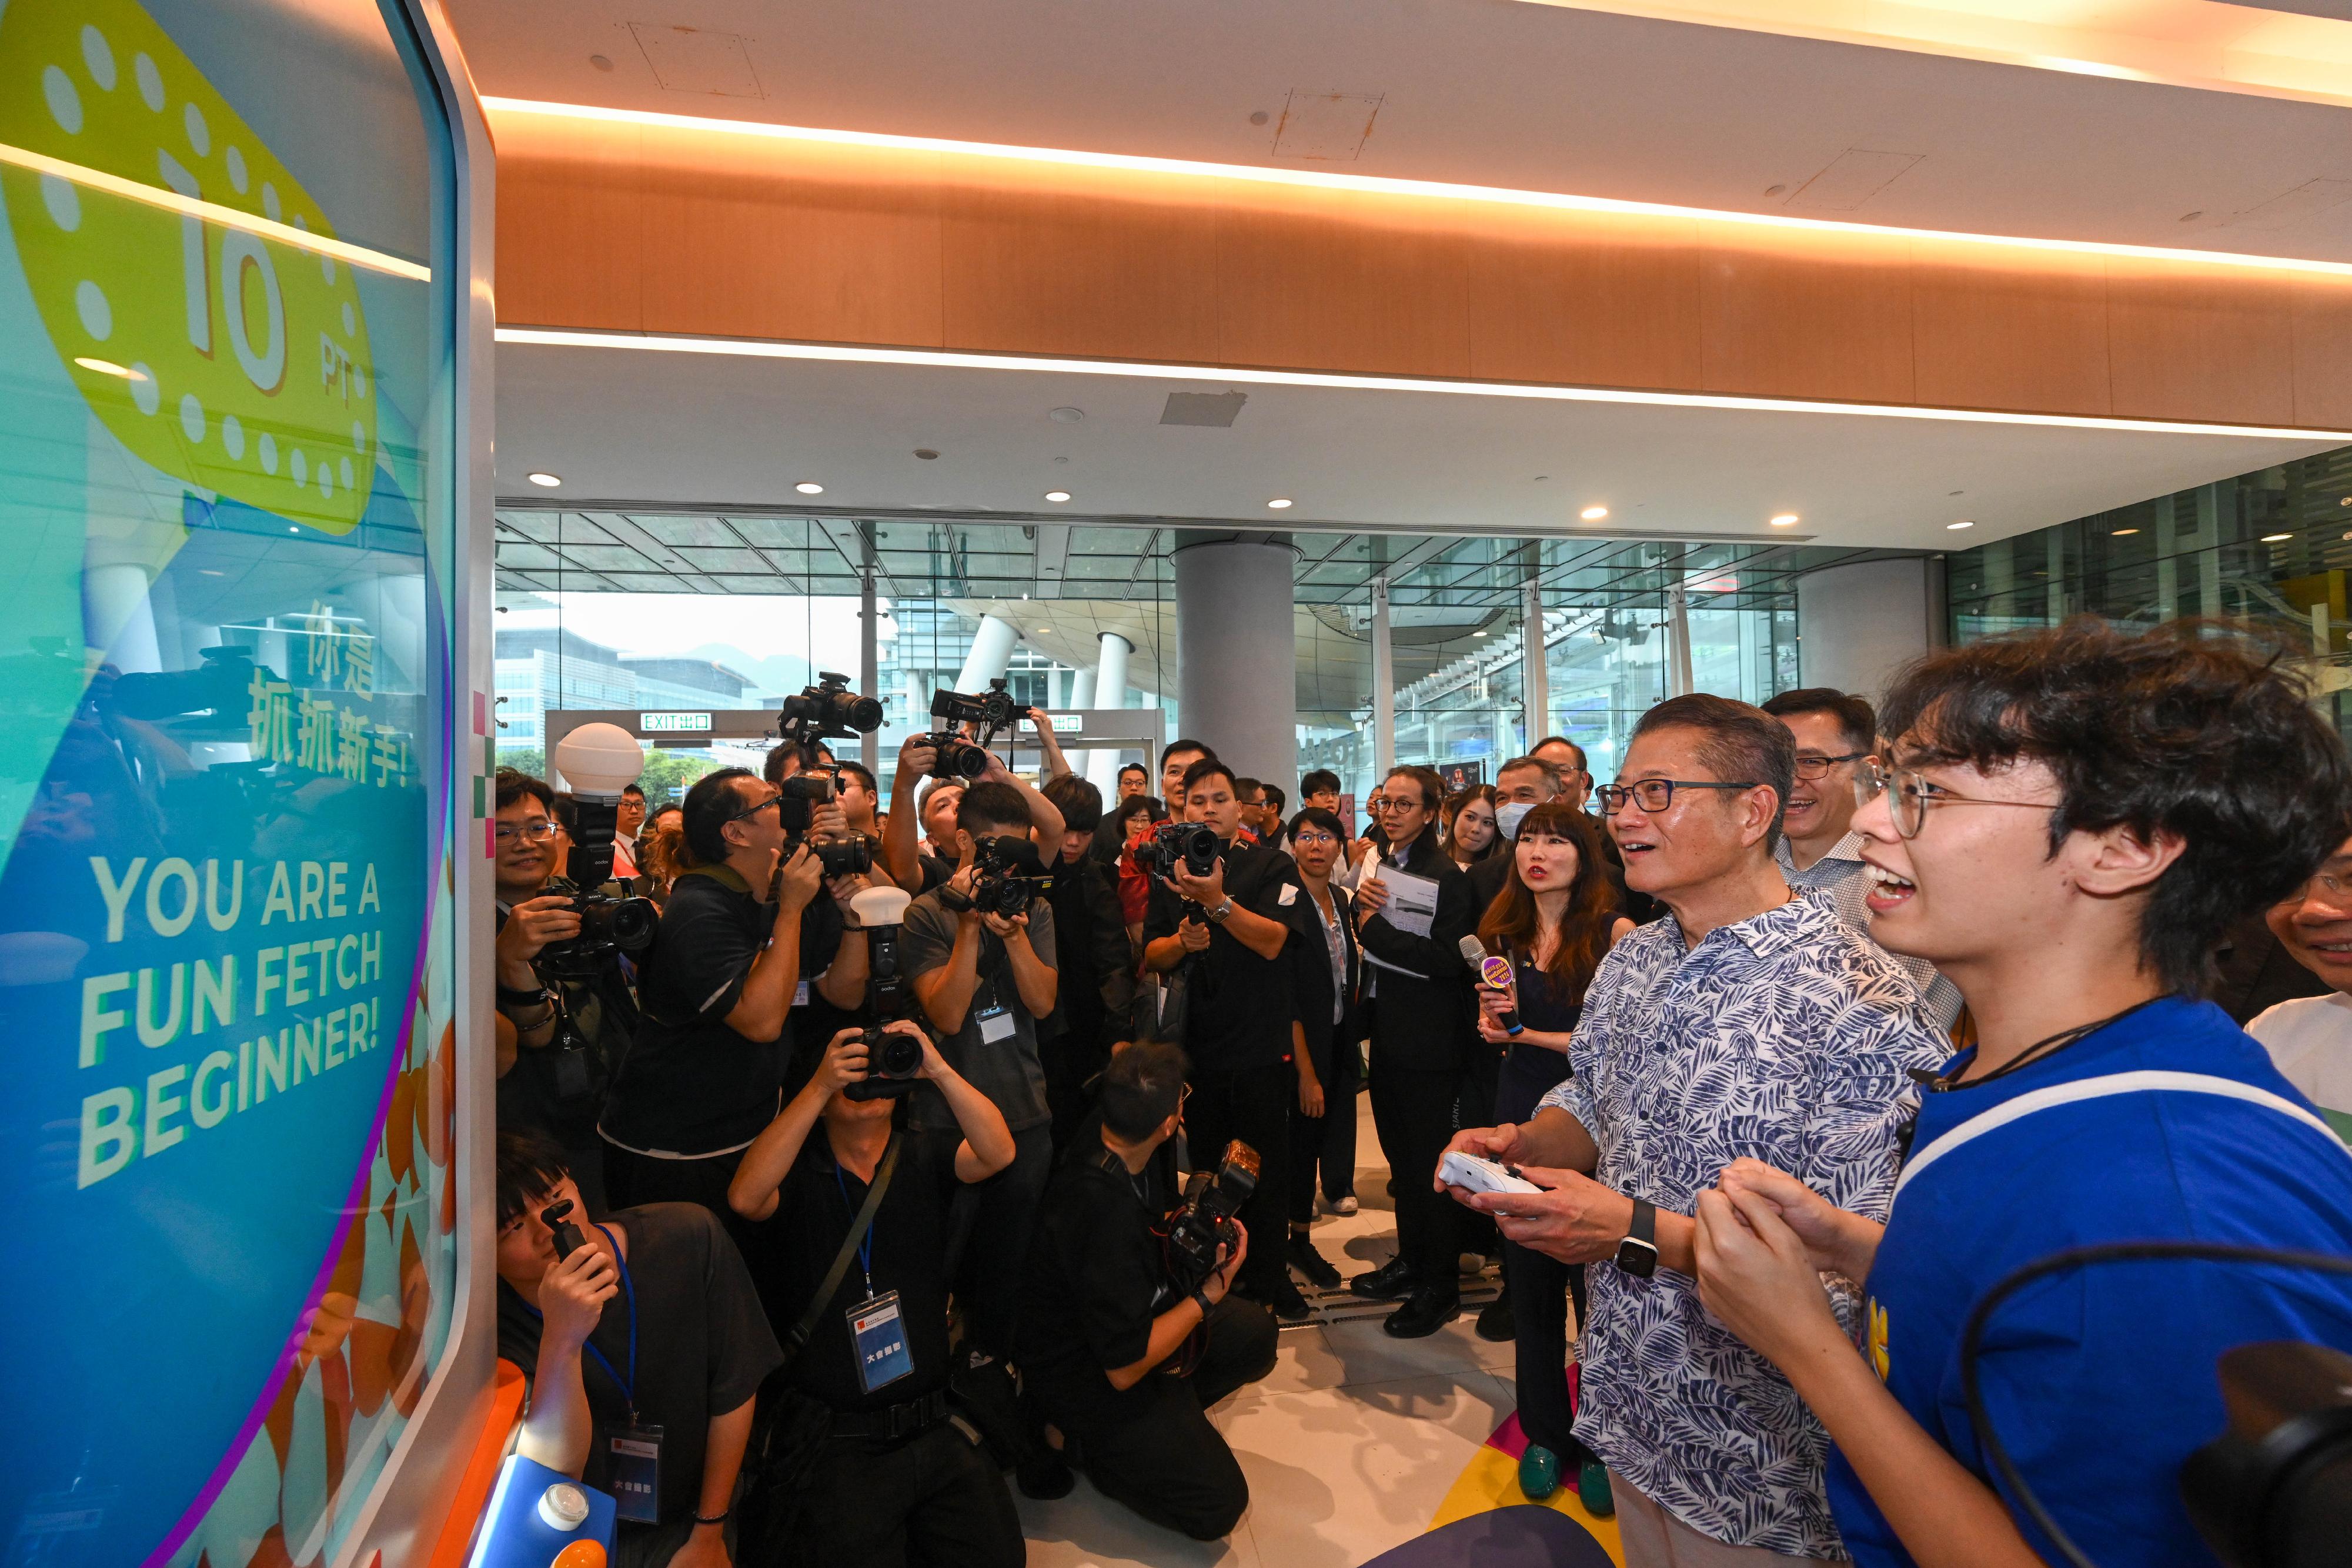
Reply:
x=891, y=1478
x=1129, y=1328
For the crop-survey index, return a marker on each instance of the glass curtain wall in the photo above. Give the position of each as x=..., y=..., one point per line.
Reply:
x=610, y=611
x=2270, y=547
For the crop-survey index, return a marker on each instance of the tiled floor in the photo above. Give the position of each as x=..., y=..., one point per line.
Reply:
x=1349, y=1445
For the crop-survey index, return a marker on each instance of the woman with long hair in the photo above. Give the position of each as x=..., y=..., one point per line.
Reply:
x=1469, y=823
x=1555, y=920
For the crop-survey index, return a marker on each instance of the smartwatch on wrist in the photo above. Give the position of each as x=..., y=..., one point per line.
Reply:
x=1638, y=1254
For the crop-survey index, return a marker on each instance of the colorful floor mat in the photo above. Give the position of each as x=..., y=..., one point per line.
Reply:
x=1487, y=1521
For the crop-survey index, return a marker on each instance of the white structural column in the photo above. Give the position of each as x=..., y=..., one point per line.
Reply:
x=1857, y=624
x=1680, y=679
x=1383, y=685
x=1082, y=695
x=1107, y=684
x=1237, y=650
x=869, y=662
x=992, y=651
x=116, y=610
x=1535, y=694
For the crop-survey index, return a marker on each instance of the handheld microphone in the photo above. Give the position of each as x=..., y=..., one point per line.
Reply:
x=1495, y=974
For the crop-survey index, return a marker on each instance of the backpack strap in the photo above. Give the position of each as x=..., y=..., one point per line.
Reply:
x=2147, y=1081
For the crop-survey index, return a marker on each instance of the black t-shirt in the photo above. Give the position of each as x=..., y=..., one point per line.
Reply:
x=1093, y=1284
x=703, y=1343
x=1237, y=1008
x=691, y=1085
x=550, y=1088
x=908, y=1252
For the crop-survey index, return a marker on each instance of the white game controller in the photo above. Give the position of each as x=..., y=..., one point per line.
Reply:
x=1475, y=1175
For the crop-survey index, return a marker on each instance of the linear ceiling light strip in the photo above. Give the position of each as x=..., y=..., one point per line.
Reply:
x=950, y=360
x=214, y=212
x=1378, y=184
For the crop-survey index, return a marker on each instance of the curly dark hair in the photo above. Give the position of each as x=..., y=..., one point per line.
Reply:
x=2199, y=730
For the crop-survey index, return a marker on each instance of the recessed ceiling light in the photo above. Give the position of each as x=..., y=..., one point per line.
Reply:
x=108, y=367
x=2121, y=532
x=1057, y=495
x=2276, y=539
x=1785, y=520
x=1963, y=523
x=1593, y=514
x=209, y=571
x=809, y=487
x=1066, y=415
x=1279, y=503
x=1480, y=633
x=1043, y=630
x=544, y=481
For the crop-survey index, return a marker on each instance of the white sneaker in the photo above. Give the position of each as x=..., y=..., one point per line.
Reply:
x=1346, y=1205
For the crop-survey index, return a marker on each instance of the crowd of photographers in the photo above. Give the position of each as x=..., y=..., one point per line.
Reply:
x=850, y=1182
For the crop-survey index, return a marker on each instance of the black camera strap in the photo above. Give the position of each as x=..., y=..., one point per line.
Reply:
x=858, y=1227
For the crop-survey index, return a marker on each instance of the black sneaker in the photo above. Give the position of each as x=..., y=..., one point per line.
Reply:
x=1388, y=1283
x=1316, y=1268
x=1287, y=1304
x=1043, y=1475
x=1424, y=1312
x=1494, y=1322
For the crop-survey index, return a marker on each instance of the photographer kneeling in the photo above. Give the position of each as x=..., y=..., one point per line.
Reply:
x=1119, y=1356
x=893, y=1480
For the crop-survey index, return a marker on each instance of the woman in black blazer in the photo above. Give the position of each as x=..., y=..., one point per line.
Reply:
x=1325, y=981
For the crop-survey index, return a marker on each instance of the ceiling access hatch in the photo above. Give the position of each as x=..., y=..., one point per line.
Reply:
x=1852, y=178
x=698, y=60
x=1215, y=411
x=1325, y=127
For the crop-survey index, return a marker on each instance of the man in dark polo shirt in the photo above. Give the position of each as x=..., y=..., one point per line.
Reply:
x=644, y=1351
x=1237, y=1013
x=984, y=979
x=896, y=1481
x=715, y=989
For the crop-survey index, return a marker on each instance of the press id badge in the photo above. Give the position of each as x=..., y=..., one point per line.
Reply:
x=637, y=1474
x=878, y=1339
x=995, y=1023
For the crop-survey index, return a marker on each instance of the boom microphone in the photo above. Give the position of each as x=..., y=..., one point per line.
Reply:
x=1495, y=974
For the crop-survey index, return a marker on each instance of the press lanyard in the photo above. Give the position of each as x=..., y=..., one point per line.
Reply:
x=865, y=1242
x=628, y=1389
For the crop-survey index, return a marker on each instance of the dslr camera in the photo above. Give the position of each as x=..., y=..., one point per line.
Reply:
x=1009, y=875
x=826, y=708
x=1204, y=1220
x=1190, y=845
x=608, y=924
x=992, y=712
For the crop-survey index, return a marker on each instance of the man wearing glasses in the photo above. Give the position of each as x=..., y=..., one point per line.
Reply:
x=1836, y=733
x=1750, y=1019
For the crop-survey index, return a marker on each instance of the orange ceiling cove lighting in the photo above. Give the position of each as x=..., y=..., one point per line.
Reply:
x=1427, y=190
x=2177, y=43
x=850, y=353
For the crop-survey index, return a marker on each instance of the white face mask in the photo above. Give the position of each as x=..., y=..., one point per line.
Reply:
x=1510, y=815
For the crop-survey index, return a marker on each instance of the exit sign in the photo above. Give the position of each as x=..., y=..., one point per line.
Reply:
x=673, y=723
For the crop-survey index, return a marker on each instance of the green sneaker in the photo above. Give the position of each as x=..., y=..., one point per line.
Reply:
x=1538, y=1472
x=1593, y=1489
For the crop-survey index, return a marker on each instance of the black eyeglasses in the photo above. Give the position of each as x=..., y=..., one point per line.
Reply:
x=1914, y=794
x=1655, y=795
x=1819, y=767
x=755, y=810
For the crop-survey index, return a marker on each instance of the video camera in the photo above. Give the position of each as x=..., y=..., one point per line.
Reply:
x=600, y=758
x=557, y=1217
x=826, y=708
x=1204, y=1220
x=1009, y=873
x=993, y=711
x=1190, y=846
x=891, y=1060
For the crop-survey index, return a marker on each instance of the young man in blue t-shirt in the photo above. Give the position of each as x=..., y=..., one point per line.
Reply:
x=2070, y=822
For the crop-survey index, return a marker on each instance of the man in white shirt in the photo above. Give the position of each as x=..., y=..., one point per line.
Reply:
x=2310, y=1038
x=1836, y=733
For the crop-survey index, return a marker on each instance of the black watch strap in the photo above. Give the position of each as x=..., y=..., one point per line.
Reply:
x=1638, y=1254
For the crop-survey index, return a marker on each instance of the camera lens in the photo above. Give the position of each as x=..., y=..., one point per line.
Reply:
x=898, y=1056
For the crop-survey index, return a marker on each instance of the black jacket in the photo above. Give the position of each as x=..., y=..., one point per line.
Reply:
x=1310, y=983
x=1097, y=967
x=1423, y=1019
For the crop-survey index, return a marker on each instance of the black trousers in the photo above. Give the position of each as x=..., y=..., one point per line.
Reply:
x=1163, y=1459
x=1539, y=1286
x=1071, y=1059
x=1413, y=1112
x=987, y=1234
x=1254, y=1104
x=1328, y=1141
x=933, y=1501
